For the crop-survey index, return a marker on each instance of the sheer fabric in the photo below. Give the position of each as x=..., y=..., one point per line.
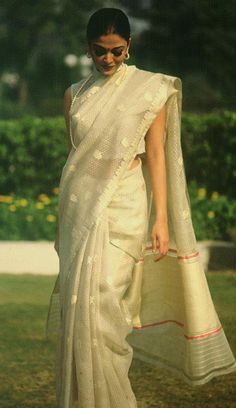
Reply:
x=174, y=321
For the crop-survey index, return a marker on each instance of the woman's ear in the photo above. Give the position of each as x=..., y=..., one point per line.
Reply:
x=128, y=43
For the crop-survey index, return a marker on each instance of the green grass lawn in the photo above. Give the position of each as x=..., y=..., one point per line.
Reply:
x=26, y=358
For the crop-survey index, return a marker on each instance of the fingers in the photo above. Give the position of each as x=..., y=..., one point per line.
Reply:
x=160, y=240
x=159, y=257
x=163, y=249
x=154, y=243
x=164, y=246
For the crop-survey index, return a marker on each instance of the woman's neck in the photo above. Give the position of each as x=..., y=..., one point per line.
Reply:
x=98, y=74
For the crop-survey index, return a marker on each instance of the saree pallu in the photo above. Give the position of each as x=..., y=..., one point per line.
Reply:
x=174, y=321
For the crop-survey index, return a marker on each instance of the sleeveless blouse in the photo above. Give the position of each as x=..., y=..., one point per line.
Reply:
x=141, y=146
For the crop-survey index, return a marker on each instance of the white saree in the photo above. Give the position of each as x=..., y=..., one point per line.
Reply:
x=168, y=314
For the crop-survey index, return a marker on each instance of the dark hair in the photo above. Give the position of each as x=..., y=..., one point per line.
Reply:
x=108, y=20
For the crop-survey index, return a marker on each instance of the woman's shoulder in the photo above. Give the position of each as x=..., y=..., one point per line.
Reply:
x=156, y=79
x=74, y=87
x=146, y=74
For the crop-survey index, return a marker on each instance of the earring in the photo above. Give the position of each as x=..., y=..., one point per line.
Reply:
x=127, y=56
x=88, y=55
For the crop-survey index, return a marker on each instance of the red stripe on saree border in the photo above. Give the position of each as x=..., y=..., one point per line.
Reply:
x=178, y=256
x=188, y=256
x=158, y=324
x=199, y=336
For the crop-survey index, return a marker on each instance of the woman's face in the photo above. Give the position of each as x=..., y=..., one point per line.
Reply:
x=108, y=52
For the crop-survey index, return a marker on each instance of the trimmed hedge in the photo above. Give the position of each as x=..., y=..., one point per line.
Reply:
x=213, y=214
x=23, y=218
x=33, y=152
x=209, y=147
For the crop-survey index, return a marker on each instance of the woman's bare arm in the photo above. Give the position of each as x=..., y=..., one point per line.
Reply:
x=157, y=170
x=67, y=104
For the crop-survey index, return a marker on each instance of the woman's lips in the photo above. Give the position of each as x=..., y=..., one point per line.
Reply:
x=108, y=67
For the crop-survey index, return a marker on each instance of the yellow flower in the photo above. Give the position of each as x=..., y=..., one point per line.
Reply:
x=44, y=198
x=201, y=193
x=39, y=205
x=29, y=218
x=214, y=196
x=6, y=199
x=211, y=214
x=12, y=207
x=51, y=218
x=23, y=202
x=55, y=190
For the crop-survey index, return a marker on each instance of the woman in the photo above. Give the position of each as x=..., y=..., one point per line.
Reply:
x=112, y=293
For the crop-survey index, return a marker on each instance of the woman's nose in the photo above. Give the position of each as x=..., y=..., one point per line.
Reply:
x=108, y=58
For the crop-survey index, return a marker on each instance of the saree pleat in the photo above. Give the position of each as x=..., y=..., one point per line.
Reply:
x=94, y=357
x=111, y=301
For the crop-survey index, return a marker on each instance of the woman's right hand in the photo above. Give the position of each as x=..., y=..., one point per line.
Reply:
x=160, y=238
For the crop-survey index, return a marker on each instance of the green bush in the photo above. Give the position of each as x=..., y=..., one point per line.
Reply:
x=209, y=146
x=28, y=218
x=33, y=151
x=23, y=218
x=213, y=214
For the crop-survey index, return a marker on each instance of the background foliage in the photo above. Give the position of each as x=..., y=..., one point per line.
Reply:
x=33, y=151
x=196, y=41
x=42, y=46
x=193, y=40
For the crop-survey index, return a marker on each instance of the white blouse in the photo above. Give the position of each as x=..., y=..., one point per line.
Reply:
x=141, y=146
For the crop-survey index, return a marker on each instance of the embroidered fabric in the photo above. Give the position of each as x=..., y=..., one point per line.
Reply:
x=174, y=319
x=95, y=74
x=141, y=146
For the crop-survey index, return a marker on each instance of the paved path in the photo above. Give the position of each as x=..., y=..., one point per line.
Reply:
x=40, y=257
x=36, y=257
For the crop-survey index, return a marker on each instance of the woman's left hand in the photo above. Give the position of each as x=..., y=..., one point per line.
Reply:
x=160, y=238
